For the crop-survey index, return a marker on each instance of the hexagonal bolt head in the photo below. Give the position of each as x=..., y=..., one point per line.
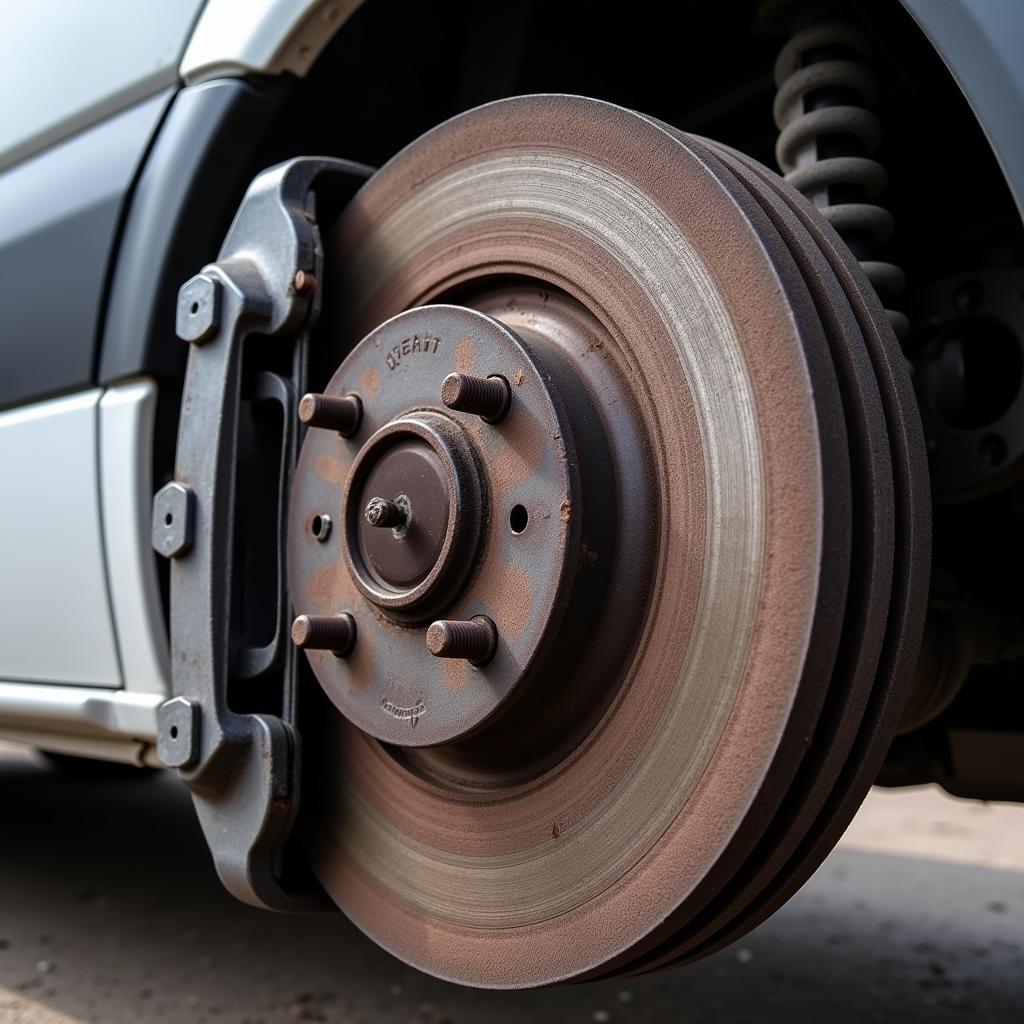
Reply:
x=173, y=520
x=177, y=737
x=475, y=639
x=198, y=315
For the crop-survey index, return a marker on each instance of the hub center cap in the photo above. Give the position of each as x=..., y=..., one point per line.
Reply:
x=413, y=508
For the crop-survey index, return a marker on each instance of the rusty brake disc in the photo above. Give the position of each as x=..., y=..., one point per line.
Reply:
x=628, y=550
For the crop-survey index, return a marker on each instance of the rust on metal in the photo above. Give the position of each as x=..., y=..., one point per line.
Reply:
x=423, y=498
x=708, y=423
x=335, y=633
x=343, y=414
x=486, y=397
x=305, y=282
x=473, y=641
x=384, y=513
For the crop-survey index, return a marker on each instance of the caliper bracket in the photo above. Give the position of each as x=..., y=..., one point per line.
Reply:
x=242, y=767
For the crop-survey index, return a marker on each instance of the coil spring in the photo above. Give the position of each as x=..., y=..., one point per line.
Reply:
x=827, y=133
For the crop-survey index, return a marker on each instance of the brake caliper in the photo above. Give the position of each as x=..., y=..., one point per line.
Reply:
x=229, y=729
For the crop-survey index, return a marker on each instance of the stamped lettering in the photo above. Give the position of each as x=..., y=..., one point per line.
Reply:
x=411, y=714
x=426, y=344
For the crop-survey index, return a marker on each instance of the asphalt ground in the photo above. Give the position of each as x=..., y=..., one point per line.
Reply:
x=110, y=911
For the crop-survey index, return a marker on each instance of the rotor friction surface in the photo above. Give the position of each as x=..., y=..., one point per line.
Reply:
x=645, y=839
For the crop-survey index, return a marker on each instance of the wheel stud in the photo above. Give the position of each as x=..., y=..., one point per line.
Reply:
x=474, y=640
x=386, y=514
x=335, y=633
x=341, y=414
x=486, y=397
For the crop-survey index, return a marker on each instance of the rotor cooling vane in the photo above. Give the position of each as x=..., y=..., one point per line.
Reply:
x=607, y=545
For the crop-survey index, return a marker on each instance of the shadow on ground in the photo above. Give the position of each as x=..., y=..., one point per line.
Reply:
x=110, y=911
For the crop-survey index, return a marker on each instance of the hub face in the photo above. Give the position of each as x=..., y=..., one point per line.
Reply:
x=422, y=466
x=404, y=555
x=474, y=518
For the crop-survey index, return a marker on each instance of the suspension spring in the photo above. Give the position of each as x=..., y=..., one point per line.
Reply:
x=828, y=133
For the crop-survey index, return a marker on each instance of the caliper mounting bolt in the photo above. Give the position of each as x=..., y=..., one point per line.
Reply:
x=335, y=633
x=329, y=413
x=474, y=639
x=486, y=397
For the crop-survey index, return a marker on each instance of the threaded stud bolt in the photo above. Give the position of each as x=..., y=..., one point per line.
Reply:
x=474, y=639
x=328, y=413
x=385, y=514
x=486, y=397
x=335, y=633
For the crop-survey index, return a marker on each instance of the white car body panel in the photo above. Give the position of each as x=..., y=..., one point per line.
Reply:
x=78, y=709
x=84, y=536
x=127, y=412
x=56, y=624
x=65, y=67
x=238, y=37
x=109, y=724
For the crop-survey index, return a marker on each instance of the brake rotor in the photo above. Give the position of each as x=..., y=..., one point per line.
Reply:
x=680, y=535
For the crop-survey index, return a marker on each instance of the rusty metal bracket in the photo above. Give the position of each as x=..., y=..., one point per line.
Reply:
x=241, y=767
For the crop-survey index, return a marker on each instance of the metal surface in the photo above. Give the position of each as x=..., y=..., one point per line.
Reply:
x=173, y=526
x=873, y=676
x=981, y=44
x=178, y=725
x=829, y=135
x=199, y=309
x=459, y=477
x=51, y=543
x=53, y=231
x=67, y=69
x=266, y=36
x=968, y=355
x=126, y=416
x=340, y=414
x=334, y=633
x=244, y=776
x=475, y=640
x=193, y=179
x=78, y=711
x=486, y=397
x=673, y=770
x=605, y=673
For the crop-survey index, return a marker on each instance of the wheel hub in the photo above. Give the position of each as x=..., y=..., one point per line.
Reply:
x=443, y=511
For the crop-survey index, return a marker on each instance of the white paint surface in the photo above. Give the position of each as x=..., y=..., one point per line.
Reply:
x=237, y=37
x=55, y=618
x=65, y=66
x=126, y=419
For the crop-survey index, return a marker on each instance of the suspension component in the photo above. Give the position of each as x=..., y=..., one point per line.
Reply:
x=828, y=133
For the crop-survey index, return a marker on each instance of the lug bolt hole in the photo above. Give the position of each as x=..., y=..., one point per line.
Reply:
x=168, y=519
x=320, y=527
x=194, y=308
x=518, y=518
x=174, y=732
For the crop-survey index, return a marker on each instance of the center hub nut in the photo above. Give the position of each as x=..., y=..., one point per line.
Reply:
x=458, y=499
x=413, y=507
